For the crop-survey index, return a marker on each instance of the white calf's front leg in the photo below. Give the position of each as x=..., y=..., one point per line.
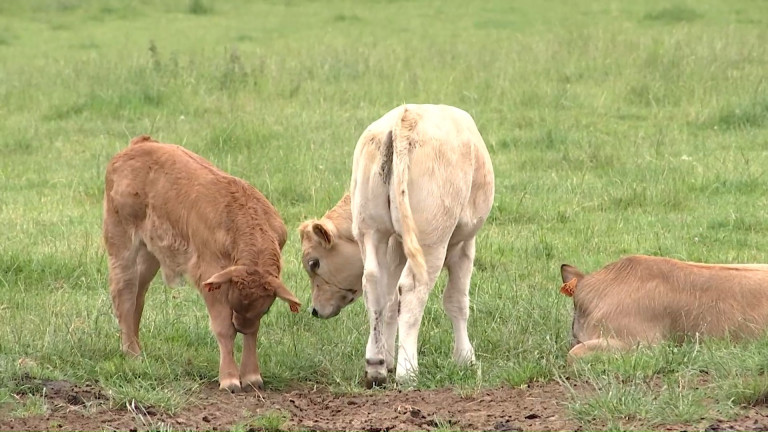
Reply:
x=459, y=262
x=377, y=297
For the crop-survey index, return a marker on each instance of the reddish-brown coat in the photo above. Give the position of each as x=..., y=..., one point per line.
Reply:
x=168, y=208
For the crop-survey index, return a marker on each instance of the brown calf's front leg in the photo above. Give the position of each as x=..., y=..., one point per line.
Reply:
x=222, y=327
x=250, y=374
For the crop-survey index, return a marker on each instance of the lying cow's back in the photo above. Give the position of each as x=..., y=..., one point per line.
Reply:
x=184, y=204
x=642, y=298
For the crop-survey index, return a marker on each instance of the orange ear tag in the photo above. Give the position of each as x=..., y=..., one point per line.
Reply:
x=569, y=287
x=212, y=287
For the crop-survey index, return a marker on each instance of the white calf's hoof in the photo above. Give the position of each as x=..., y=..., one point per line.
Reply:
x=464, y=358
x=375, y=379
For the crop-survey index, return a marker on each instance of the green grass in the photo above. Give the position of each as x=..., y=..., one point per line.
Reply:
x=614, y=128
x=268, y=421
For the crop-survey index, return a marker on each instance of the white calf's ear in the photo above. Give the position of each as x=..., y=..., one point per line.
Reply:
x=325, y=232
x=224, y=276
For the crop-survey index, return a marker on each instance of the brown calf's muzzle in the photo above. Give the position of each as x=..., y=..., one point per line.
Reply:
x=246, y=324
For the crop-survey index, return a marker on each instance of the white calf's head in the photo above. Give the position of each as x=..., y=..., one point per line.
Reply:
x=334, y=266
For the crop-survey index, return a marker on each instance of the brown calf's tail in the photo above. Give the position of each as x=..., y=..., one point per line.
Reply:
x=403, y=140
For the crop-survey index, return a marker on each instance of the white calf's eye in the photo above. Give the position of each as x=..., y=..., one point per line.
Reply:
x=314, y=264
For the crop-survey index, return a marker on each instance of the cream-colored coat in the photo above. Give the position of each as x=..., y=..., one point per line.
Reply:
x=646, y=300
x=422, y=186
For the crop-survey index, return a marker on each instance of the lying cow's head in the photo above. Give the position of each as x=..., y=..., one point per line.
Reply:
x=250, y=295
x=334, y=266
x=571, y=279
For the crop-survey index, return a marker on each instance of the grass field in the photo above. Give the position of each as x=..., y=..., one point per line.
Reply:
x=614, y=127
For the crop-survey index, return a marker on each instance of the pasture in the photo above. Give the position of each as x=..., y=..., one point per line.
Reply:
x=614, y=127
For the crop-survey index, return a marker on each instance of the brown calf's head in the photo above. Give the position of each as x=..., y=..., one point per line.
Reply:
x=334, y=266
x=571, y=278
x=251, y=294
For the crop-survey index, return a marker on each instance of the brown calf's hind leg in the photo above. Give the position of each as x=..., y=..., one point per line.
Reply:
x=605, y=345
x=148, y=266
x=123, y=285
x=250, y=374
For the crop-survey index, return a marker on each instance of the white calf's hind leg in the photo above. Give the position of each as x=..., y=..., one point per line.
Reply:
x=377, y=298
x=459, y=262
x=413, y=298
x=395, y=264
x=390, y=329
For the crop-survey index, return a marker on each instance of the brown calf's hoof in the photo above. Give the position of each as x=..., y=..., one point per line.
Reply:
x=232, y=388
x=253, y=385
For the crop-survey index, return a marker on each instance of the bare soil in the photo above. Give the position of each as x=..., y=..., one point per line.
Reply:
x=538, y=406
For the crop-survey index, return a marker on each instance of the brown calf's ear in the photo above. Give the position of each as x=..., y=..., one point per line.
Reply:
x=222, y=277
x=284, y=293
x=324, y=231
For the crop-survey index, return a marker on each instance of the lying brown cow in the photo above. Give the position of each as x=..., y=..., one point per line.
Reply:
x=645, y=300
x=166, y=207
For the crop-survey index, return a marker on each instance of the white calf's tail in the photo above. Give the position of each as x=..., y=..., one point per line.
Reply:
x=403, y=141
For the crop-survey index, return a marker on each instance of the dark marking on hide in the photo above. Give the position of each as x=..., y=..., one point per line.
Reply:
x=386, y=150
x=374, y=362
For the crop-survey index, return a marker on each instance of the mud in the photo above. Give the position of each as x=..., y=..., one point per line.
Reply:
x=534, y=407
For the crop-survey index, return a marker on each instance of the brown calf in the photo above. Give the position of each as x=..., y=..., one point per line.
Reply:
x=168, y=208
x=643, y=299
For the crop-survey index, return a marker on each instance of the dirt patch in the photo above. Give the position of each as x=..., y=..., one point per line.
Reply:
x=539, y=406
x=535, y=407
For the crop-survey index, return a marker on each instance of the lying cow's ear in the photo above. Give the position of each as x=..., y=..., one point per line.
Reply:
x=224, y=276
x=284, y=293
x=570, y=272
x=571, y=277
x=323, y=231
